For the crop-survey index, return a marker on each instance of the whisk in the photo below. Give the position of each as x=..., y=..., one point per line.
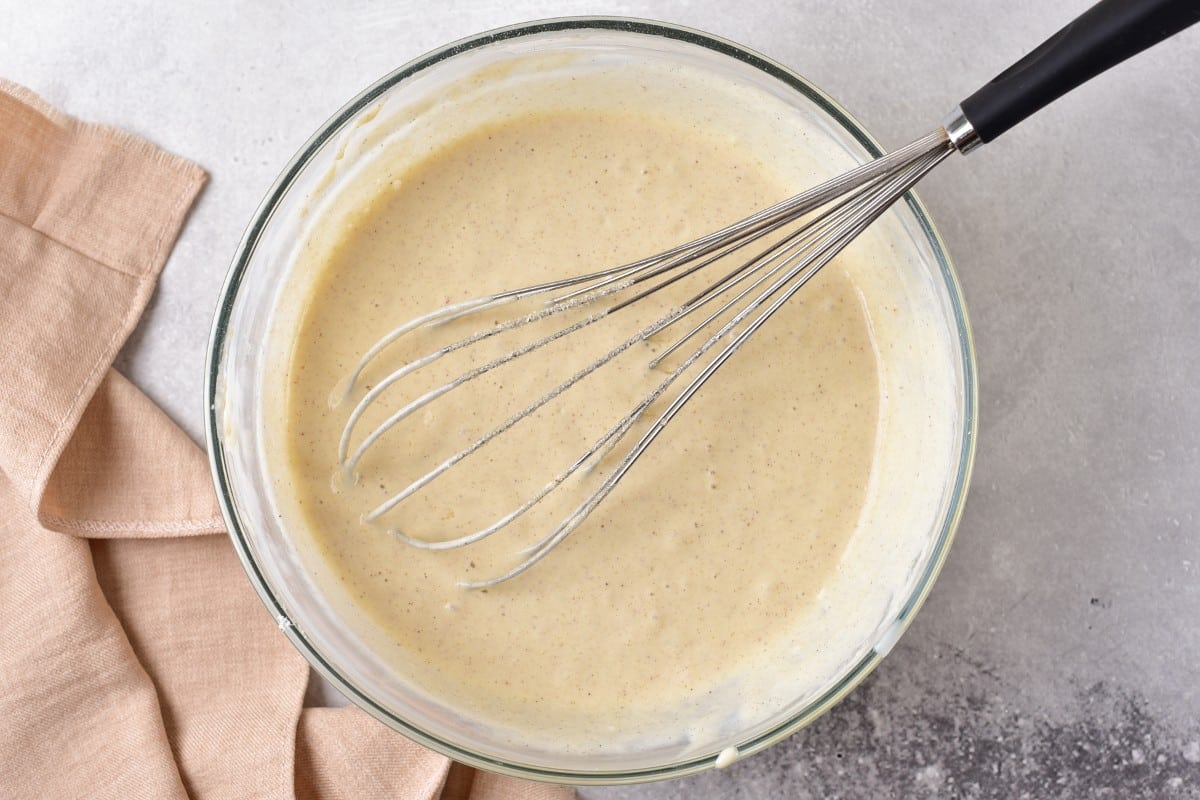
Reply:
x=799, y=236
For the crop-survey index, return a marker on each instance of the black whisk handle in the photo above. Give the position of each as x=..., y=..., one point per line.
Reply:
x=1103, y=36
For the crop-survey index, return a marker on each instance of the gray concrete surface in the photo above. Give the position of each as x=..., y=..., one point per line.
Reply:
x=1057, y=656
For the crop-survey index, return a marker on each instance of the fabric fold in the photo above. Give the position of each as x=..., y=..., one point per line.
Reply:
x=230, y=686
x=138, y=663
x=342, y=754
x=79, y=716
x=129, y=472
x=88, y=215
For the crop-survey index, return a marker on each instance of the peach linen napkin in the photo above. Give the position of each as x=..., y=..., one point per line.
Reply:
x=135, y=660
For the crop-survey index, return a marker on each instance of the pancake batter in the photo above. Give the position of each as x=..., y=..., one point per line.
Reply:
x=729, y=524
x=685, y=596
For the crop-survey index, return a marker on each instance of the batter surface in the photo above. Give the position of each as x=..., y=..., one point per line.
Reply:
x=693, y=572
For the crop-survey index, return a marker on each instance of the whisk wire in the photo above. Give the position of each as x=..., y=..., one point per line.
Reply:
x=854, y=200
x=780, y=252
x=787, y=210
x=873, y=205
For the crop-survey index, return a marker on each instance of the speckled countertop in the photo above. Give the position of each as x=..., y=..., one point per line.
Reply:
x=1058, y=654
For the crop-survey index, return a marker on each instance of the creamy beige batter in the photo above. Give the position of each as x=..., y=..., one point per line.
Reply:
x=701, y=566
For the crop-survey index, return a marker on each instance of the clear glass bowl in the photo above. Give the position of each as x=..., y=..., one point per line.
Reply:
x=237, y=368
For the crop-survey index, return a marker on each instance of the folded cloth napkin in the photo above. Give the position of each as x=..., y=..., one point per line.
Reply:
x=136, y=661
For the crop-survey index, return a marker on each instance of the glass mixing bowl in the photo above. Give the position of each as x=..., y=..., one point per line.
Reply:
x=238, y=366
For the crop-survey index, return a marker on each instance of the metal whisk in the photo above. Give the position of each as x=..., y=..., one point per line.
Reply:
x=799, y=236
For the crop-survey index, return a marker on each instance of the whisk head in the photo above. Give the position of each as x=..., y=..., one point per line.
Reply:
x=757, y=264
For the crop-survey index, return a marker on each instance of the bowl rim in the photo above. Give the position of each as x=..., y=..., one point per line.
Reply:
x=262, y=217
